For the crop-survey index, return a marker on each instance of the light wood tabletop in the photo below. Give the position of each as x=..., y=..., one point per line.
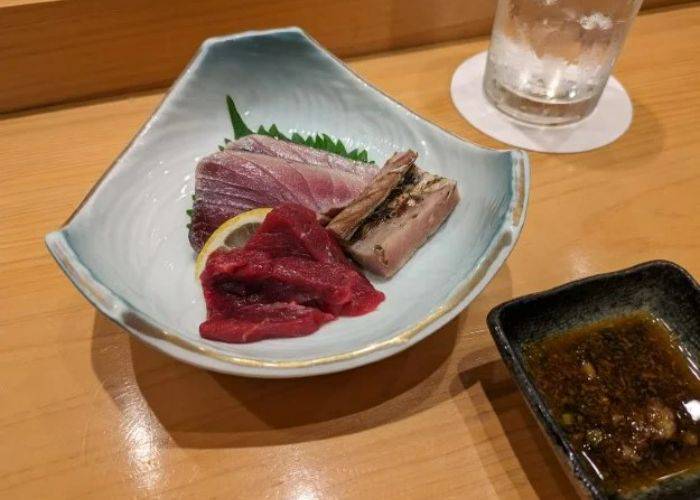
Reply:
x=86, y=410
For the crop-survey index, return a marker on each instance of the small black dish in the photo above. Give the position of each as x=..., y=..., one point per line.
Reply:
x=661, y=288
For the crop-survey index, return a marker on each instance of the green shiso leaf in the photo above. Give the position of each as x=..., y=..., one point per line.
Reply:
x=190, y=211
x=240, y=129
x=340, y=149
x=324, y=142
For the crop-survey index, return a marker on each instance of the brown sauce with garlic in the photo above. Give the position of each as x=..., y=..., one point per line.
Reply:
x=627, y=397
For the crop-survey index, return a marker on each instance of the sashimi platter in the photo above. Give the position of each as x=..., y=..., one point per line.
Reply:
x=287, y=269
x=278, y=216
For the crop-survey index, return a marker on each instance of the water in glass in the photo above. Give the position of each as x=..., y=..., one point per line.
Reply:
x=549, y=60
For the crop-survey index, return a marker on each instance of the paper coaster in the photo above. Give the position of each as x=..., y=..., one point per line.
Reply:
x=610, y=119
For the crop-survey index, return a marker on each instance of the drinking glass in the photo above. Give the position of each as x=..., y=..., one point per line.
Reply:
x=549, y=60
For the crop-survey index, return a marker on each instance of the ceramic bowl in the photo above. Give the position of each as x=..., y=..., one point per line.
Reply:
x=126, y=246
x=661, y=288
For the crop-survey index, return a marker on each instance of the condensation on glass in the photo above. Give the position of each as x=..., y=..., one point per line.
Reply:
x=549, y=60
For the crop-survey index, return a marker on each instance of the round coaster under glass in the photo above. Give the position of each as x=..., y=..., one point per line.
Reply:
x=608, y=121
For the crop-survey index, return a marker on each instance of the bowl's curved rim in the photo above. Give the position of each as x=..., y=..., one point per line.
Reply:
x=149, y=329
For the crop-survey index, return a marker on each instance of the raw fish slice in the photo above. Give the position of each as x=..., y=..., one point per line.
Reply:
x=291, y=260
x=293, y=230
x=230, y=182
x=263, y=321
x=245, y=275
x=295, y=152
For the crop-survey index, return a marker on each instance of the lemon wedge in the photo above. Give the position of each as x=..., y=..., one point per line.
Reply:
x=233, y=233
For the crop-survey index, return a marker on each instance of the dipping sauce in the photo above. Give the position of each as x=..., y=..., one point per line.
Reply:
x=627, y=397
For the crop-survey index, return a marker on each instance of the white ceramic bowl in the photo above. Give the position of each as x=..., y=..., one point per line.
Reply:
x=126, y=246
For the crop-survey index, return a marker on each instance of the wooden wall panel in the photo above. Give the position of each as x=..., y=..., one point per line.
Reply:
x=63, y=50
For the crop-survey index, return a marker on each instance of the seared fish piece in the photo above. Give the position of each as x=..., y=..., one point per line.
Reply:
x=286, y=150
x=345, y=223
x=394, y=215
x=230, y=182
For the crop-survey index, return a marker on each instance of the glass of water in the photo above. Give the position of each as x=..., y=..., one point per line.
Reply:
x=549, y=60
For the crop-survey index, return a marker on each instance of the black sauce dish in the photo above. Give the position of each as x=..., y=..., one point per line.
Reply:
x=662, y=288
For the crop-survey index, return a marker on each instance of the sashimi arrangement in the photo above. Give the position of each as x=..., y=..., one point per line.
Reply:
x=274, y=220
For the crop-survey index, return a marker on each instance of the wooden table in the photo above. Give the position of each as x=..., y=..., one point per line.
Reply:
x=85, y=410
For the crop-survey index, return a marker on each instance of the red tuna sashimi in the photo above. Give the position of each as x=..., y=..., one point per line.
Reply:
x=238, y=277
x=230, y=182
x=295, y=231
x=290, y=260
x=262, y=321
